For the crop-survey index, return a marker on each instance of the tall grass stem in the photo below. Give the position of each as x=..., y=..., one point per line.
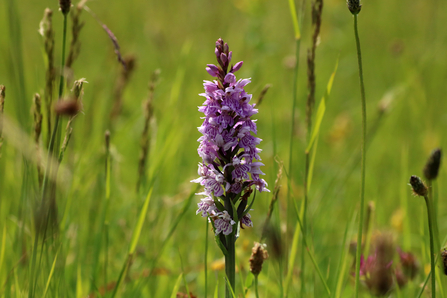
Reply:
x=56, y=124
x=432, y=246
x=362, y=189
x=256, y=286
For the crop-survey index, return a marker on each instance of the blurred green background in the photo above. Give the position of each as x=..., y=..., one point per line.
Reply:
x=405, y=66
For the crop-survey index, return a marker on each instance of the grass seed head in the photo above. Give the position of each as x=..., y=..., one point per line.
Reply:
x=68, y=107
x=410, y=265
x=258, y=255
x=354, y=6
x=431, y=168
x=418, y=186
x=65, y=6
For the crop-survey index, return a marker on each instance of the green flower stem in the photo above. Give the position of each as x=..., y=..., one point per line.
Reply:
x=432, y=247
x=362, y=189
x=256, y=286
x=230, y=263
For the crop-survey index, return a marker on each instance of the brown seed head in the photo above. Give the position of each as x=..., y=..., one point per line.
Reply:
x=431, y=168
x=381, y=271
x=419, y=188
x=410, y=265
x=64, y=6
x=354, y=6
x=258, y=255
x=68, y=107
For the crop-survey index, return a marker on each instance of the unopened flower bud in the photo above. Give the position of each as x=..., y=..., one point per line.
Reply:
x=223, y=57
x=418, y=186
x=237, y=66
x=431, y=168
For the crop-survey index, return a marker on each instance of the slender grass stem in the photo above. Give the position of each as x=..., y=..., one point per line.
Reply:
x=362, y=189
x=296, y=24
x=48, y=168
x=56, y=124
x=432, y=246
x=292, y=130
x=290, y=215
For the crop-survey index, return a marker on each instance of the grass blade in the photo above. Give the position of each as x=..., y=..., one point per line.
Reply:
x=296, y=26
x=312, y=164
x=321, y=109
x=342, y=264
x=139, y=226
x=176, y=286
x=216, y=290
x=134, y=241
x=2, y=250
x=328, y=291
x=293, y=254
x=50, y=276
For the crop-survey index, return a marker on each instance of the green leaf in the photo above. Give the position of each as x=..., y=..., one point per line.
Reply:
x=249, y=282
x=218, y=204
x=229, y=286
x=249, y=206
x=216, y=290
x=221, y=245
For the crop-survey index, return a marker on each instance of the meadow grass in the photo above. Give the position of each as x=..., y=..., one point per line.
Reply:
x=109, y=240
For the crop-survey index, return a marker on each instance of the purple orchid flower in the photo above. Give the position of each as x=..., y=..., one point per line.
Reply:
x=230, y=159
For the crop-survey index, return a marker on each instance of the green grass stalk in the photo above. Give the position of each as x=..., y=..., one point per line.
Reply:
x=2, y=108
x=432, y=246
x=256, y=286
x=294, y=99
x=317, y=8
x=43, y=224
x=363, y=163
x=57, y=122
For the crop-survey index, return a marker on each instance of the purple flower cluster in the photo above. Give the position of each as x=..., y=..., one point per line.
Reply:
x=227, y=147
